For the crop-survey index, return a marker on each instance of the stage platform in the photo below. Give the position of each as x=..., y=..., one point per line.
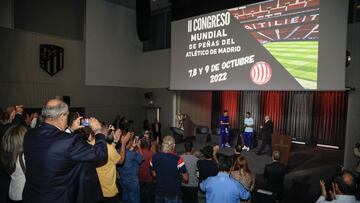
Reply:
x=307, y=165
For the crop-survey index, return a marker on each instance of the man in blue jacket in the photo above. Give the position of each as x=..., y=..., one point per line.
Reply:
x=55, y=159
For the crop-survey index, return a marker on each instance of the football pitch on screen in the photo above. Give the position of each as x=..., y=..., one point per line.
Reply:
x=299, y=58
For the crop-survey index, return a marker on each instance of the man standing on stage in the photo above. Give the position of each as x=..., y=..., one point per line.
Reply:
x=266, y=132
x=248, y=132
x=225, y=130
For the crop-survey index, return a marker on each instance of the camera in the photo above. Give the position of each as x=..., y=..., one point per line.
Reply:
x=85, y=122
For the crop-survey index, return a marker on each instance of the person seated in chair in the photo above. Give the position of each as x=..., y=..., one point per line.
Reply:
x=274, y=174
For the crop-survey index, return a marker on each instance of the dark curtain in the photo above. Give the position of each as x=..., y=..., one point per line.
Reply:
x=310, y=117
x=216, y=109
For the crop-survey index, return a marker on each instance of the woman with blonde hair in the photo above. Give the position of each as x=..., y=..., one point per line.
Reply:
x=242, y=173
x=12, y=158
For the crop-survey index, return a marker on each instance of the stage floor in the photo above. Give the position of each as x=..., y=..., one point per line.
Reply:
x=307, y=165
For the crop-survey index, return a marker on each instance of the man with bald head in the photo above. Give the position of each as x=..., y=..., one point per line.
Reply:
x=55, y=159
x=266, y=132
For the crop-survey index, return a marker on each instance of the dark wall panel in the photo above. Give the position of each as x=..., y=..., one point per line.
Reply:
x=64, y=18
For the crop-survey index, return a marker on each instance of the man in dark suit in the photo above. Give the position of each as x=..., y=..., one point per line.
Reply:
x=55, y=160
x=274, y=174
x=266, y=132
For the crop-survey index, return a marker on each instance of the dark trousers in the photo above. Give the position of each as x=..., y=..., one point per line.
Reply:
x=190, y=194
x=4, y=194
x=4, y=188
x=157, y=135
x=160, y=199
x=130, y=191
x=147, y=192
x=264, y=143
x=225, y=135
x=12, y=201
x=111, y=199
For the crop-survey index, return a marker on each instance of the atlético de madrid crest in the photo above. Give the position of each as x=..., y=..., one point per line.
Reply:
x=51, y=58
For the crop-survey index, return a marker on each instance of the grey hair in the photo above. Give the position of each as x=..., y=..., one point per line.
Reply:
x=51, y=112
x=168, y=144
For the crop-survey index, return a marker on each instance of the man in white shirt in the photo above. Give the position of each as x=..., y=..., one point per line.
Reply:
x=248, y=132
x=343, y=190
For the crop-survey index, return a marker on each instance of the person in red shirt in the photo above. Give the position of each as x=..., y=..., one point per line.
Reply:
x=147, y=192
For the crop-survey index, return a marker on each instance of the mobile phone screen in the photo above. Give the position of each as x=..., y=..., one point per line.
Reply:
x=85, y=122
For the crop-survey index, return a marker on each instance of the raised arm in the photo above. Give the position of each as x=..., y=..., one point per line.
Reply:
x=81, y=150
x=124, y=140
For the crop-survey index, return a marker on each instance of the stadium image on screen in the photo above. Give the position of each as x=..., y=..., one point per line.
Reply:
x=289, y=30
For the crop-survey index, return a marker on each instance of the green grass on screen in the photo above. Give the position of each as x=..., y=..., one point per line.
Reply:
x=299, y=58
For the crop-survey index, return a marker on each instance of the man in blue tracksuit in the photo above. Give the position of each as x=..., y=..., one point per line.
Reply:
x=225, y=130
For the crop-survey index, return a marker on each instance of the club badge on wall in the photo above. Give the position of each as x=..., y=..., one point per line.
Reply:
x=51, y=58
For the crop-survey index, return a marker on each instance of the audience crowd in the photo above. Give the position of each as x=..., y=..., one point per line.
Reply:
x=59, y=156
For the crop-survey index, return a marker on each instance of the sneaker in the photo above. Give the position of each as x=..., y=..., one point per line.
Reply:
x=244, y=147
x=247, y=148
x=227, y=145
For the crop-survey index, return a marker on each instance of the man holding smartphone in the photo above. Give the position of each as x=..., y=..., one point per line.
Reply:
x=54, y=169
